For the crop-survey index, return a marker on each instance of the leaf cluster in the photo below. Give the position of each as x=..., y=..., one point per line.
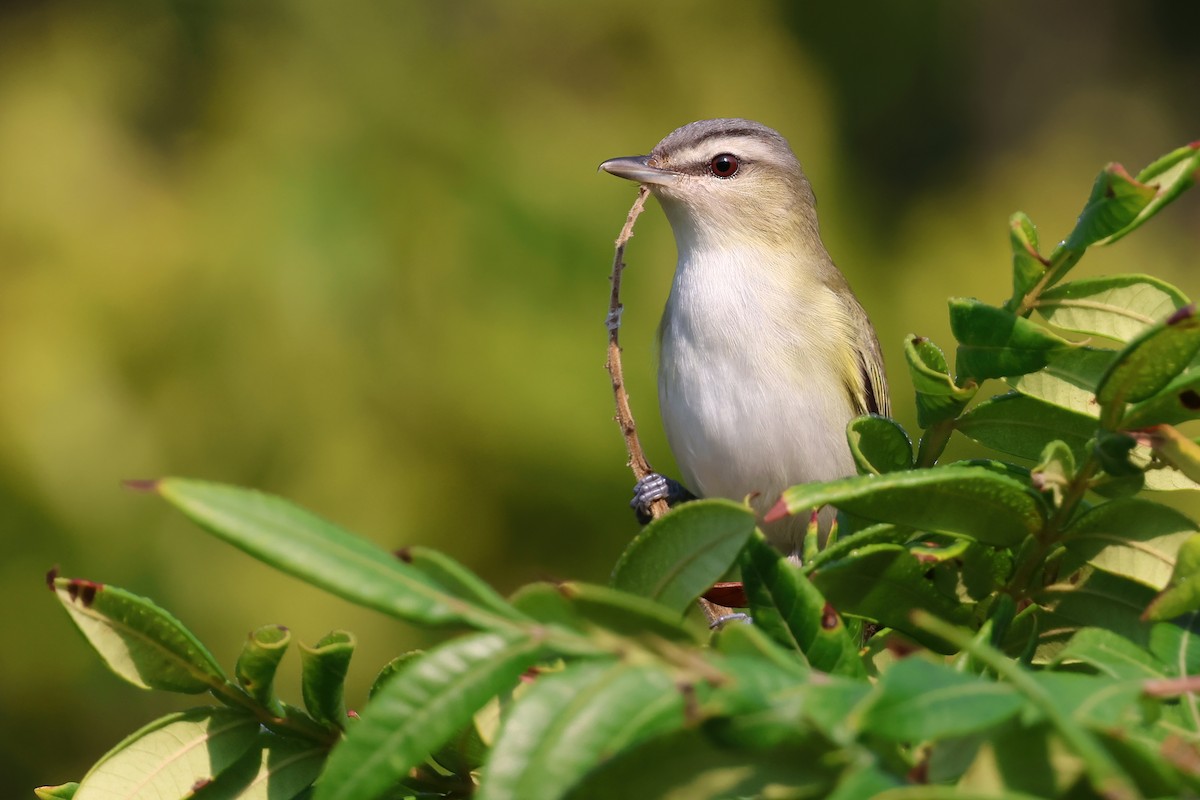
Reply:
x=1012, y=628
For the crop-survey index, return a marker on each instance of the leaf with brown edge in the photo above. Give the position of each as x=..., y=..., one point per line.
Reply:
x=138, y=640
x=1149, y=363
x=1178, y=402
x=1028, y=265
x=1169, y=176
x=792, y=611
x=1116, y=201
x=886, y=583
x=938, y=396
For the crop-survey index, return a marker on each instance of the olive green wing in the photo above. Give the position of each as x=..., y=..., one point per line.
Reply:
x=868, y=387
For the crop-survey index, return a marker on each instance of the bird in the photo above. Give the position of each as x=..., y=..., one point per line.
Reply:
x=764, y=352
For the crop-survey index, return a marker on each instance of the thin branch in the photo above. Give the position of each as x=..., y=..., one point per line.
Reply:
x=637, y=458
x=1171, y=687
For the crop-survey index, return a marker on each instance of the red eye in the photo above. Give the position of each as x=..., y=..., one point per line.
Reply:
x=724, y=165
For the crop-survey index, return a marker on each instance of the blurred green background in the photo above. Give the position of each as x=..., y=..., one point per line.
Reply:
x=357, y=254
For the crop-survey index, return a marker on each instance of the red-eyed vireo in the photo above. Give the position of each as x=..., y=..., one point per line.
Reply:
x=765, y=354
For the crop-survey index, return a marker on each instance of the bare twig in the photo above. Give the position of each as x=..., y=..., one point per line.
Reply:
x=637, y=458
x=1171, y=687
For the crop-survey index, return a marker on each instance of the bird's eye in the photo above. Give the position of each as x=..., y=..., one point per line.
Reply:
x=724, y=165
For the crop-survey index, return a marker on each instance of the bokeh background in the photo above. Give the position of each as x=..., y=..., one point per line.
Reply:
x=356, y=254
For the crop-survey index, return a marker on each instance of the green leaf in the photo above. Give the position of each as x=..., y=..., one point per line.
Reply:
x=569, y=722
x=676, y=558
x=1170, y=176
x=763, y=722
x=745, y=684
x=1182, y=594
x=171, y=754
x=1092, y=598
x=786, y=606
x=1020, y=759
x=935, y=549
x=879, y=444
x=1116, y=201
x=1129, y=536
x=323, y=676
x=658, y=768
x=1147, y=762
x=1178, y=402
x=465, y=752
x=1022, y=426
x=390, y=670
x=749, y=642
x=885, y=582
x=599, y=611
x=938, y=396
x=623, y=613
x=1069, y=380
x=64, y=791
x=758, y=705
x=1093, y=700
x=139, y=641
x=879, y=533
x=1150, y=362
x=1111, y=655
x=419, y=709
x=994, y=343
x=258, y=662
x=975, y=502
x=458, y=580
x=831, y=706
x=1117, y=306
x=1028, y=266
x=919, y=701
x=1106, y=778
x=984, y=569
x=1177, y=644
x=305, y=546
x=280, y=769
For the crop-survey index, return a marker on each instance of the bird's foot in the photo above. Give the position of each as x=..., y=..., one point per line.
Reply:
x=655, y=487
x=650, y=488
x=720, y=622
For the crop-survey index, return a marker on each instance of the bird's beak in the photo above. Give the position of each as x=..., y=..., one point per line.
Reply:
x=638, y=168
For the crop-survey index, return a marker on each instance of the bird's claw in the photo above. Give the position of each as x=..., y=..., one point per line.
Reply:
x=655, y=487
x=648, y=490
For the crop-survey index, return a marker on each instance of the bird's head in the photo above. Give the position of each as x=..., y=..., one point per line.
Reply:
x=726, y=179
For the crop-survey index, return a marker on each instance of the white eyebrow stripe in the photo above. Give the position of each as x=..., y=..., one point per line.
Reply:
x=747, y=147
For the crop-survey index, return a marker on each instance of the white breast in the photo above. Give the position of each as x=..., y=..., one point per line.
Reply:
x=744, y=410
